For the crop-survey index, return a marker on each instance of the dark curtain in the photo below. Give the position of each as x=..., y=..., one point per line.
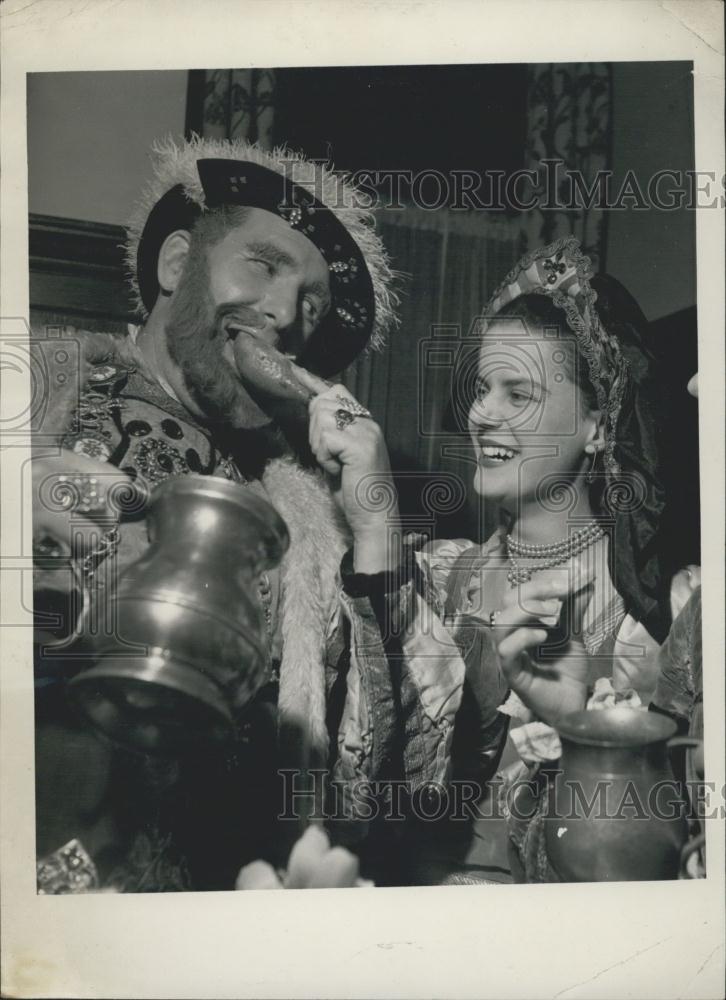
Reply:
x=452, y=263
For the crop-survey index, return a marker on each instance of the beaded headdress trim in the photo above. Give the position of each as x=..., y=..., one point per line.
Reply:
x=562, y=272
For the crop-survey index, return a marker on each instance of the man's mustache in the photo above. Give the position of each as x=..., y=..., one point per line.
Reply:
x=232, y=314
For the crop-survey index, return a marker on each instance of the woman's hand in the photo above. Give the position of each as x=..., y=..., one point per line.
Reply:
x=549, y=687
x=549, y=690
x=540, y=600
x=354, y=454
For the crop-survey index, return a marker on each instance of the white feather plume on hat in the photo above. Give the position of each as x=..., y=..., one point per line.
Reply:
x=175, y=163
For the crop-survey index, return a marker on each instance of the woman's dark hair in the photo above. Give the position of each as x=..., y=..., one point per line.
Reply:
x=540, y=312
x=537, y=312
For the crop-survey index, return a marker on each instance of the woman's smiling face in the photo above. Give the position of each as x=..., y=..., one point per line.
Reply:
x=528, y=421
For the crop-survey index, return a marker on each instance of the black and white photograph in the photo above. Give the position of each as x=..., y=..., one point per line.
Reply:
x=366, y=494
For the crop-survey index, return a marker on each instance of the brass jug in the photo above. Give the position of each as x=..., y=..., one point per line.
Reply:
x=627, y=821
x=186, y=648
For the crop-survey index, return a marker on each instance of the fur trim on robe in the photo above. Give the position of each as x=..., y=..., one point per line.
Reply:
x=309, y=591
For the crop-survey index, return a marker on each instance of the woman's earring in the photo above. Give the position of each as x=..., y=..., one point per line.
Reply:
x=590, y=477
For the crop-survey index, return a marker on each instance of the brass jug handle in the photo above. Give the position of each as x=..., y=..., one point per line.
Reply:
x=696, y=843
x=684, y=741
x=692, y=743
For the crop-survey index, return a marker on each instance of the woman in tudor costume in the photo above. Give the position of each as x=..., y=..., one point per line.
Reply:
x=565, y=605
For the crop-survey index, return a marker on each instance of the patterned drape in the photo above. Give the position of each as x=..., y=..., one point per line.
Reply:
x=569, y=111
x=239, y=103
x=451, y=263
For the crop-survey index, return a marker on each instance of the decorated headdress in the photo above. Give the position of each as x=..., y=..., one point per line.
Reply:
x=562, y=273
x=203, y=174
x=611, y=333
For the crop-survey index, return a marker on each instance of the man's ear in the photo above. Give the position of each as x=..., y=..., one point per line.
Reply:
x=596, y=436
x=172, y=258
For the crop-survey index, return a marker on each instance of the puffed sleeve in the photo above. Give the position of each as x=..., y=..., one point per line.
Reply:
x=403, y=673
x=436, y=561
x=679, y=685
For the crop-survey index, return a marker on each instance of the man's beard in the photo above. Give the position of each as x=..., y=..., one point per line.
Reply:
x=195, y=338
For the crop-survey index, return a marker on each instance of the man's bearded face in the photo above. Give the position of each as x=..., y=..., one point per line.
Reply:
x=195, y=339
x=272, y=283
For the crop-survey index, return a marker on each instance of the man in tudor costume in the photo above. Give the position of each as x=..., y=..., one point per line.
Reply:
x=236, y=256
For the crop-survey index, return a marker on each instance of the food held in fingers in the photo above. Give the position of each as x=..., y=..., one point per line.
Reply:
x=261, y=366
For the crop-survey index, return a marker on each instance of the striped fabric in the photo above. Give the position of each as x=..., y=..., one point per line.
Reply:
x=605, y=625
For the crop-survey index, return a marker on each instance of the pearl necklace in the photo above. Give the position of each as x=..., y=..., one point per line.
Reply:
x=551, y=555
